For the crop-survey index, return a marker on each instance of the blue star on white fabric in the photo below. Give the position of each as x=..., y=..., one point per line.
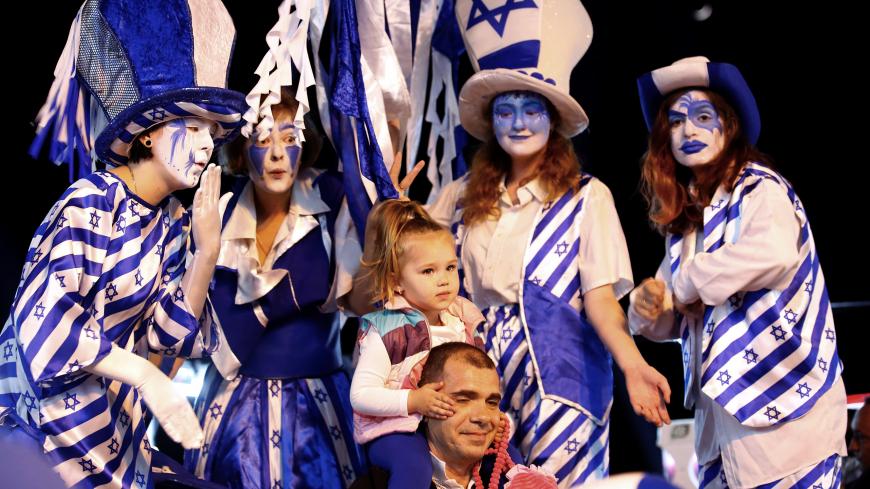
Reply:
x=535, y=280
x=74, y=366
x=496, y=17
x=320, y=396
x=179, y=295
x=275, y=439
x=40, y=311
x=60, y=279
x=507, y=334
x=29, y=401
x=7, y=351
x=133, y=205
x=36, y=256
x=95, y=220
x=216, y=410
x=90, y=333
x=113, y=446
x=823, y=365
x=735, y=301
x=61, y=221
x=777, y=332
x=140, y=479
x=111, y=291
x=124, y=418
x=717, y=205
x=572, y=446
x=808, y=287
x=138, y=277
x=121, y=223
x=561, y=248
x=772, y=413
x=274, y=388
x=348, y=472
x=93, y=310
x=157, y=114
x=277, y=484
x=724, y=377
x=804, y=390
x=829, y=334
x=710, y=327
x=87, y=465
x=790, y=316
x=335, y=432
x=70, y=401
x=750, y=356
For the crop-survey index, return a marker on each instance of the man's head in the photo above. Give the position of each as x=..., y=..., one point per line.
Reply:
x=860, y=442
x=470, y=379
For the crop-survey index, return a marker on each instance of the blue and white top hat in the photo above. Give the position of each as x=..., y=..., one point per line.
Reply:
x=522, y=45
x=129, y=65
x=698, y=72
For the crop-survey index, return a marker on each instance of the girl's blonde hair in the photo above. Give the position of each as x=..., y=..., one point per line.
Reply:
x=388, y=223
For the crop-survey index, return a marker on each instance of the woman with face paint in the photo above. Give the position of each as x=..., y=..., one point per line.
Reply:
x=740, y=285
x=119, y=269
x=275, y=405
x=542, y=249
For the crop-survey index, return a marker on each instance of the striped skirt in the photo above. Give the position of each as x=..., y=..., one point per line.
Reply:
x=823, y=475
x=276, y=434
x=561, y=439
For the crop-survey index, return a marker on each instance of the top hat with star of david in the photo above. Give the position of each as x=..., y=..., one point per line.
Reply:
x=698, y=71
x=129, y=65
x=519, y=45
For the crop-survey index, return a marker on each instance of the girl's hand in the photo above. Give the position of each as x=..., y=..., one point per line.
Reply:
x=428, y=401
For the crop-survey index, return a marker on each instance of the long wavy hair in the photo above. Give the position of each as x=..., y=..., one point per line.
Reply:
x=676, y=196
x=559, y=172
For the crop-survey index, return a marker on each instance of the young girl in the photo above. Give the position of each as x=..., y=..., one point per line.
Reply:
x=411, y=266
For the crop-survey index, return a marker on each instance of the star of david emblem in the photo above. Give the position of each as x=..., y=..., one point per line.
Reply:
x=111, y=291
x=572, y=446
x=216, y=410
x=724, y=377
x=40, y=311
x=778, y=332
x=87, y=465
x=335, y=432
x=772, y=413
x=120, y=224
x=790, y=316
x=750, y=356
x=829, y=334
x=113, y=447
x=507, y=334
x=496, y=17
x=140, y=479
x=274, y=388
x=157, y=114
x=275, y=439
x=561, y=248
x=823, y=365
x=70, y=401
x=7, y=351
x=804, y=390
x=320, y=396
x=95, y=220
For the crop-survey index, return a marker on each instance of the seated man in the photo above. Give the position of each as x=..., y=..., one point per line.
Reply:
x=459, y=443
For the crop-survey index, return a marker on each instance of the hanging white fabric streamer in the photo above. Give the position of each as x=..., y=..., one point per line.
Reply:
x=287, y=41
x=425, y=27
x=440, y=172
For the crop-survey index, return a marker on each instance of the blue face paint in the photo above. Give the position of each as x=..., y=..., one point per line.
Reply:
x=701, y=113
x=282, y=136
x=696, y=130
x=258, y=154
x=516, y=114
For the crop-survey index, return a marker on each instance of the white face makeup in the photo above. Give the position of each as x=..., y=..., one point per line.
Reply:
x=184, y=146
x=273, y=163
x=696, y=129
x=521, y=123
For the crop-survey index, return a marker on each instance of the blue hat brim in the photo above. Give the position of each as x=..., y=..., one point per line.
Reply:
x=724, y=79
x=217, y=104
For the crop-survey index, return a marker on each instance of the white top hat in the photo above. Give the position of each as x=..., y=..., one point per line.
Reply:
x=522, y=45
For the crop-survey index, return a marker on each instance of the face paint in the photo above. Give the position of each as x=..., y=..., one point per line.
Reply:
x=274, y=161
x=696, y=129
x=521, y=123
x=184, y=147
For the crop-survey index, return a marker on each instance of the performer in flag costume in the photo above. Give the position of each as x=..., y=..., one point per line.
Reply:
x=118, y=268
x=740, y=286
x=540, y=243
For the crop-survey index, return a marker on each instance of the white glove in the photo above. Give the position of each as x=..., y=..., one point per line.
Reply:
x=170, y=408
x=206, y=229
